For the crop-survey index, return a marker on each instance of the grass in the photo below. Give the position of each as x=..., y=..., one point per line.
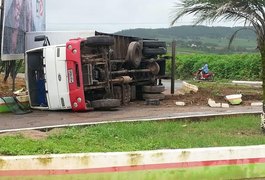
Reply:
x=230, y=131
x=224, y=84
x=237, y=42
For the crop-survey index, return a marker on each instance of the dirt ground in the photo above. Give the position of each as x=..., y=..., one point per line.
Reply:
x=250, y=94
x=206, y=90
x=6, y=88
x=34, y=134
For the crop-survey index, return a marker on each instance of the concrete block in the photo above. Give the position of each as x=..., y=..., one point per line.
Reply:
x=190, y=87
x=225, y=105
x=213, y=104
x=256, y=104
x=180, y=103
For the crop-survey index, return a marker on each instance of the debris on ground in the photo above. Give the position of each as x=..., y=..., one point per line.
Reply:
x=22, y=96
x=20, y=92
x=178, y=103
x=234, y=99
x=256, y=104
x=189, y=87
x=213, y=104
x=225, y=105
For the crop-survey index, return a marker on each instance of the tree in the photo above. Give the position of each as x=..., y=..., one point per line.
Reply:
x=251, y=12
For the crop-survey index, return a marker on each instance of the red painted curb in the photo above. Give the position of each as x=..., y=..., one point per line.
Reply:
x=180, y=165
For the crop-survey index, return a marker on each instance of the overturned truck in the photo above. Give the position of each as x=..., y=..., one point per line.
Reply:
x=103, y=71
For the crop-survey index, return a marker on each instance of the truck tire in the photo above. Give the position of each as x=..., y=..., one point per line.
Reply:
x=106, y=103
x=134, y=54
x=154, y=51
x=154, y=44
x=99, y=41
x=148, y=96
x=153, y=89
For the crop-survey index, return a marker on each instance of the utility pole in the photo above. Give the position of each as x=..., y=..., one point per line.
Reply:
x=1, y=23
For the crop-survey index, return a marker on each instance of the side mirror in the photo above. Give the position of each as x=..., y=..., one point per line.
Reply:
x=39, y=38
x=43, y=38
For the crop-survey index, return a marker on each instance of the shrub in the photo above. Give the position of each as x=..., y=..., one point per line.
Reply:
x=235, y=66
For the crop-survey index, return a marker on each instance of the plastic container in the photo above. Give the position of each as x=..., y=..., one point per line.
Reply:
x=234, y=99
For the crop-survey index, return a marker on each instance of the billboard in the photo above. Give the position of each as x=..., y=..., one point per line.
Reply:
x=20, y=16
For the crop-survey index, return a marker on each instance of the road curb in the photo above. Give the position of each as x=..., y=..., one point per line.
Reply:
x=200, y=163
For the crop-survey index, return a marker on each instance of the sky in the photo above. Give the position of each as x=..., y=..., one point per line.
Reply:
x=113, y=15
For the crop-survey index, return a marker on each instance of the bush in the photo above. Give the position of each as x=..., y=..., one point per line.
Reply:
x=235, y=66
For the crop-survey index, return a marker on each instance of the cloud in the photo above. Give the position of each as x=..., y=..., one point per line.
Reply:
x=115, y=14
x=111, y=16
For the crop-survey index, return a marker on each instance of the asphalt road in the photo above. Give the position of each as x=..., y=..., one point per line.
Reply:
x=167, y=84
x=132, y=112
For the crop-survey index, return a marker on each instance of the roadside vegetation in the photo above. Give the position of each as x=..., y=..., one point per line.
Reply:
x=136, y=136
x=228, y=67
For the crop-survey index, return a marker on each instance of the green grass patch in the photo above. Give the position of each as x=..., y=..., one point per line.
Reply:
x=223, y=42
x=216, y=132
x=219, y=86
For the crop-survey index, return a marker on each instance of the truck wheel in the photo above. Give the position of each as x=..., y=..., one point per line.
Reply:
x=99, y=41
x=106, y=103
x=154, y=44
x=154, y=68
x=153, y=89
x=159, y=96
x=134, y=54
x=154, y=51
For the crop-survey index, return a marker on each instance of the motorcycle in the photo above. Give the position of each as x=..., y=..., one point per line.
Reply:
x=198, y=76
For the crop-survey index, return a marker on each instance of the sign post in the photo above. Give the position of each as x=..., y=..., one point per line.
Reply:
x=173, y=66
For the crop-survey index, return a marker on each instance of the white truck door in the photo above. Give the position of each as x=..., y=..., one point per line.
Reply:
x=56, y=78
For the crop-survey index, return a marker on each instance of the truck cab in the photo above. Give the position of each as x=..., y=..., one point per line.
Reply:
x=46, y=78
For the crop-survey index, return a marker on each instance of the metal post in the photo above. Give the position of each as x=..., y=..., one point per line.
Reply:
x=173, y=67
x=13, y=74
x=1, y=23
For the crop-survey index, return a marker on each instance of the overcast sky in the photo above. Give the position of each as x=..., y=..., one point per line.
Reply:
x=111, y=15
